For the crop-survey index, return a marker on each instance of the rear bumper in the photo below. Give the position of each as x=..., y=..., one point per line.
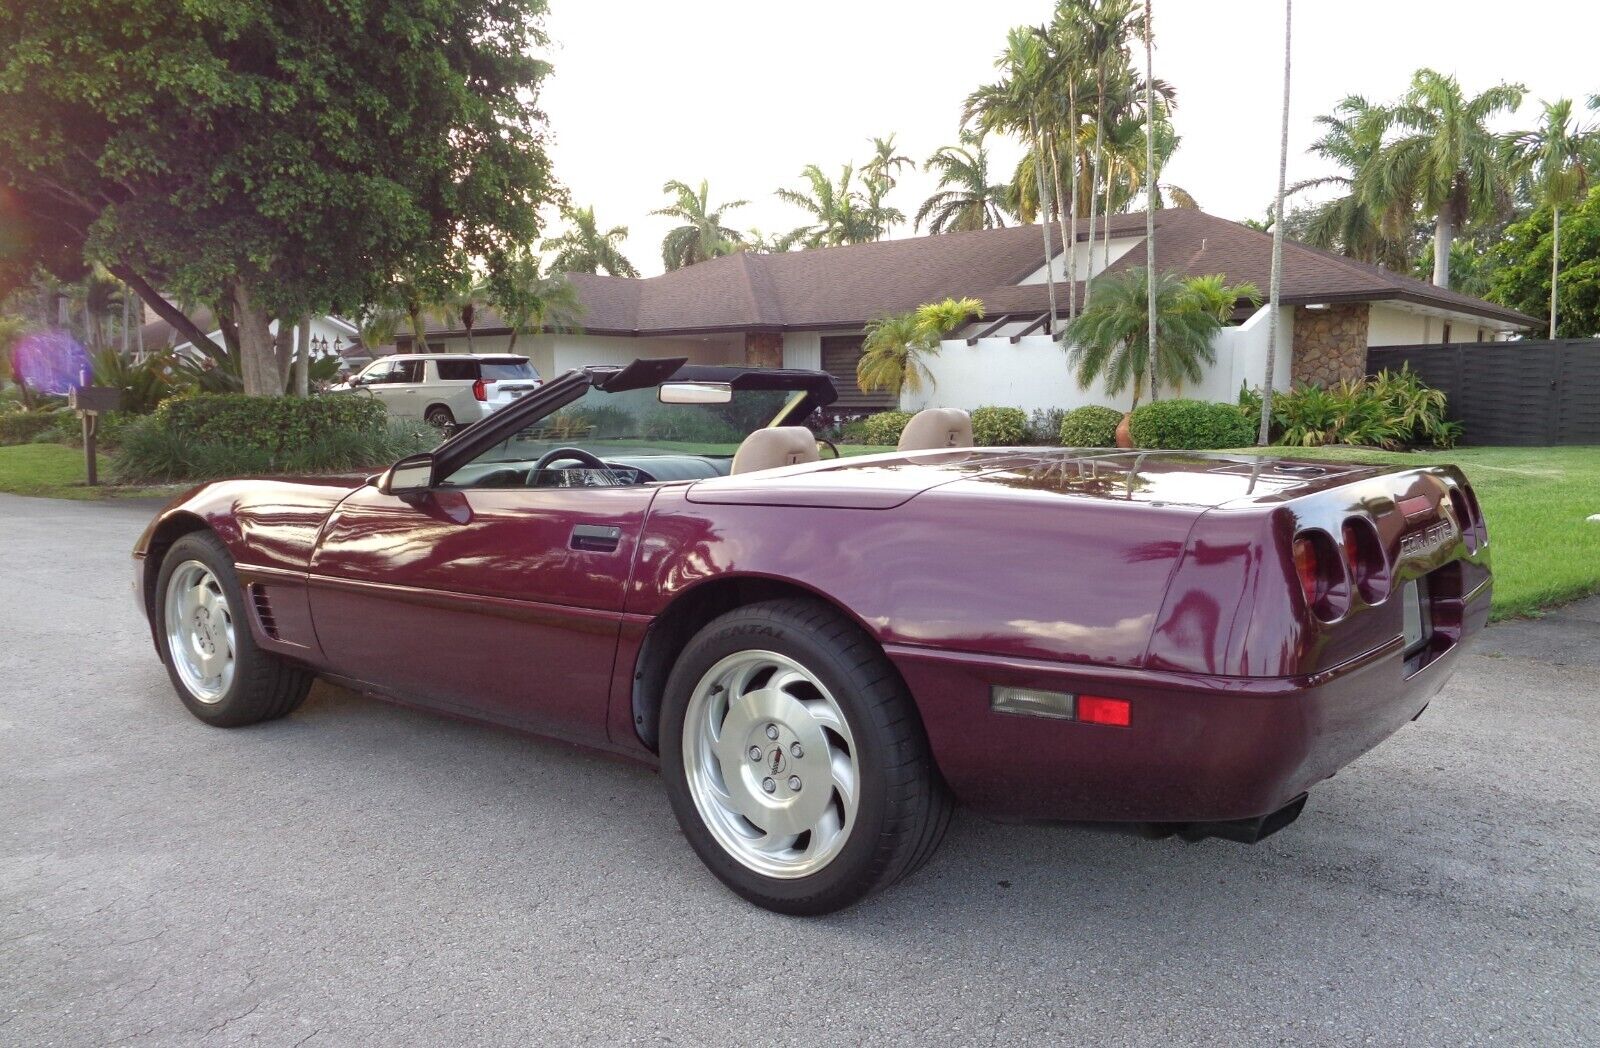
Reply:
x=1197, y=749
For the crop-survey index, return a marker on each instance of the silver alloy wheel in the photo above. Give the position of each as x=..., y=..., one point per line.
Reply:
x=200, y=631
x=771, y=764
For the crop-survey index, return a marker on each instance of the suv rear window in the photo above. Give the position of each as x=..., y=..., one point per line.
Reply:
x=500, y=370
x=456, y=370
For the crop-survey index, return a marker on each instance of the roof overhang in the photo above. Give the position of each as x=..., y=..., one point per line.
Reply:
x=1508, y=319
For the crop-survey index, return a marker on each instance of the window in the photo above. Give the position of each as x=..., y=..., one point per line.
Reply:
x=406, y=371
x=377, y=371
x=508, y=368
x=457, y=370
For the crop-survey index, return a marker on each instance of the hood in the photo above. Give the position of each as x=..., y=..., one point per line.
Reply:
x=1180, y=478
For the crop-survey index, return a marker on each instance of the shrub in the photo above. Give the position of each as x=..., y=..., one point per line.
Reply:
x=273, y=425
x=1392, y=410
x=23, y=427
x=1192, y=425
x=1044, y=425
x=1090, y=427
x=851, y=431
x=994, y=427
x=884, y=427
x=152, y=452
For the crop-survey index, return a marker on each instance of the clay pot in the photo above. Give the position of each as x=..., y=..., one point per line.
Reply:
x=1124, y=434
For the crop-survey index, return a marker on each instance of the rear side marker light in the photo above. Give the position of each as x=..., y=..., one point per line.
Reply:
x=1096, y=709
x=1060, y=705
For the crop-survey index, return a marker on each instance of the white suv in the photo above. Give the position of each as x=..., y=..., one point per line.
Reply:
x=446, y=389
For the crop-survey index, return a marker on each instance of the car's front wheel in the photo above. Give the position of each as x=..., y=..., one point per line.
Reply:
x=795, y=760
x=219, y=671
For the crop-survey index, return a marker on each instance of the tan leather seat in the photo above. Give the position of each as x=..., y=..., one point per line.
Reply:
x=933, y=428
x=778, y=446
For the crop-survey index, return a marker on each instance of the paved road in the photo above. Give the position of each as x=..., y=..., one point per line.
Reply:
x=361, y=874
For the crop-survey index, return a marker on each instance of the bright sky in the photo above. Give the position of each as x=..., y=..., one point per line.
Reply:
x=747, y=92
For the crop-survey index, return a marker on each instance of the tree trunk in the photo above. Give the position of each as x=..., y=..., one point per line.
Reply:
x=1444, y=234
x=302, y=359
x=1094, y=176
x=1274, y=296
x=1072, y=180
x=1105, y=228
x=168, y=312
x=1150, y=192
x=1555, y=267
x=1044, y=221
x=258, y=359
x=1068, y=242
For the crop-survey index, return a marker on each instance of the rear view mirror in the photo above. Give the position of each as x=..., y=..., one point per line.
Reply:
x=410, y=478
x=695, y=392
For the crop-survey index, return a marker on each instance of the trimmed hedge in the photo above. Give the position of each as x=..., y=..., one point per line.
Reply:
x=23, y=427
x=1092, y=426
x=884, y=428
x=1190, y=425
x=994, y=427
x=274, y=426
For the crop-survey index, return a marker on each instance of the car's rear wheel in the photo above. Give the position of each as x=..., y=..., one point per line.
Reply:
x=441, y=418
x=219, y=671
x=795, y=760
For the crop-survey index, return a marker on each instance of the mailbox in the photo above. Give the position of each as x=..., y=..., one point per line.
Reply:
x=94, y=400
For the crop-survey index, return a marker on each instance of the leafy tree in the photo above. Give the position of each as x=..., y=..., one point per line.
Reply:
x=893, y=355
x=702, y=235
x=530, y=299
x=1110, y=339
x=965, y=199
x=276, y=160
x=583, y=248
x=1522, y=268
x=880, y=174
x=1444, y=159
x=840, y=213
x=1560, y=158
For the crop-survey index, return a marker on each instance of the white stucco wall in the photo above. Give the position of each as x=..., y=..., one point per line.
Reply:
x=554, y=354
x=1387, y=326
x=1034, y=372
x=1119, y=246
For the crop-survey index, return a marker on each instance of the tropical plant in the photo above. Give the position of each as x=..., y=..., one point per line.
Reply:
x=894, y=352
x=703, y=235
x=1560, y=157
x=1521, y=268
x=1444, y=159
x=881, y=174
x=1391, y=410
x=840, y=213
x=529, y=299
x=583, y=248
x=1110, y=339
x=1216, y=296
x=965, y=199
x=1351, y=224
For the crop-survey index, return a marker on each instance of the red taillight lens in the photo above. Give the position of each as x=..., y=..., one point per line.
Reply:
x=480, y=391
x=1096, y=709
x=1313, y=580
x=1363, y=555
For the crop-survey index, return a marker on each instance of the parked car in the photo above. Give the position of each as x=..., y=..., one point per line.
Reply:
x=823, y=654
x=445, y=389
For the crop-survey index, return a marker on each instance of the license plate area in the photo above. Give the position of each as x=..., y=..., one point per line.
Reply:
x=1417, y=615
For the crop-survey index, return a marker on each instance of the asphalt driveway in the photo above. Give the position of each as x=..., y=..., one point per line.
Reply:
x=362, y=874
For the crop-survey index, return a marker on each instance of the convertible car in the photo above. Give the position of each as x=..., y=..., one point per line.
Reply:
x=823, y=654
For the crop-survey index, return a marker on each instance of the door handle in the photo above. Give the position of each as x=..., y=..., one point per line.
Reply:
x=595, y=538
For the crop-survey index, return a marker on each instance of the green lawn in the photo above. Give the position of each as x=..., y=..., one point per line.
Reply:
x=56, y=471
x=1536, y=500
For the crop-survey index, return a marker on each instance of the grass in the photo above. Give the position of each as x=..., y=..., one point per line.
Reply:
x=56, y=471
x=1536, y=500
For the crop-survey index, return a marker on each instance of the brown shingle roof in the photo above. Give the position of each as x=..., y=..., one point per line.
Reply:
x=844, y=287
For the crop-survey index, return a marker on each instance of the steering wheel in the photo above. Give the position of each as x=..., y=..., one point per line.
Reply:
x=560, y=454
x=831, y=446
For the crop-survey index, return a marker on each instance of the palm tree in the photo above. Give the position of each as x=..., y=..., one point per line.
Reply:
x=1263, y=433
x=1152, y=306
x=1445, y=159
x=1559, y=158
x=840, y=214
x=1216, y=296
x=965, y=199
x=1111, y=338
x=584, y=249
x=530, y=299
x=1106, y=26
x=1352, y=137
x=893, y=355
x=702, y=235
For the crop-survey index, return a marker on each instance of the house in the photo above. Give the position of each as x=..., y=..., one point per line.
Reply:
x=808, y=309
x=329, y=335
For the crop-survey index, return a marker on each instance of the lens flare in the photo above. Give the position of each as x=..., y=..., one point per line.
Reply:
x=52, y=362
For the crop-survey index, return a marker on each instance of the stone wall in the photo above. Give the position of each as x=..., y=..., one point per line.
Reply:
x=763, y=349
x=1330, y=345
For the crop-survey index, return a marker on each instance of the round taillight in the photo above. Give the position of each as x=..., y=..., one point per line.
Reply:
x=1461, y=510
x=1321, y=571
x=1364, y=560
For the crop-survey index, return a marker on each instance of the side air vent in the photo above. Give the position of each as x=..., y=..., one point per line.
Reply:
x=269, y=625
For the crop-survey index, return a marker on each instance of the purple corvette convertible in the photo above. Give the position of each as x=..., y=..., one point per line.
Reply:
x=824, y=654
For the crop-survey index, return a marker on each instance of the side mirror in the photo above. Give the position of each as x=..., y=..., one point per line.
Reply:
x=695, y=392
x=410, y=479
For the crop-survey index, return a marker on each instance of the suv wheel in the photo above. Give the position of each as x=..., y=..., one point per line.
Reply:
x=441, y=419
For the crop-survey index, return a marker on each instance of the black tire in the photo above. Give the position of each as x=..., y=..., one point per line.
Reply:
x=264, y=686
x=904, y=806
x=441, y=418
